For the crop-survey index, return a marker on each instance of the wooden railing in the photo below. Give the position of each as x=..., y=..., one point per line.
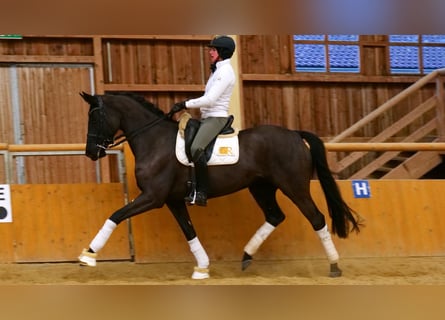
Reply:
x=384, y=146
x=10, y=151
x=363, y=160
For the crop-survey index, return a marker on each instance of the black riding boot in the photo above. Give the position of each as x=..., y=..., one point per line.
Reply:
x=201, y=175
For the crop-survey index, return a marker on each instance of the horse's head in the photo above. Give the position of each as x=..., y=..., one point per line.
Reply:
x=100, y=133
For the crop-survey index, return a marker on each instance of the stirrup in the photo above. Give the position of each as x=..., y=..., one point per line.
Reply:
x=190, y=199
x=87, y=258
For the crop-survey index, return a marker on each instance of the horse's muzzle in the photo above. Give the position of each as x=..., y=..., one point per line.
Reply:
x=94, y=152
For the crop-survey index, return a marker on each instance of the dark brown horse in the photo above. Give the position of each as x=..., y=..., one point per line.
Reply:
x=270, y=158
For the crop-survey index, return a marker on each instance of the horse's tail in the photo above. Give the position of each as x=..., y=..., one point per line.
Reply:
x=341, y=214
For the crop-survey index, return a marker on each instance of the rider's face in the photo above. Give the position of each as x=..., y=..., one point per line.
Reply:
x=213, y=55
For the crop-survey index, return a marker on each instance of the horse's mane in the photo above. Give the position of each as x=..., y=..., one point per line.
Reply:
x=141, y=100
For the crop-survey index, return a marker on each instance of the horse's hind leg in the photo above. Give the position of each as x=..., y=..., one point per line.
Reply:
x=307, y=206
x=179, y=210
x=264, y=194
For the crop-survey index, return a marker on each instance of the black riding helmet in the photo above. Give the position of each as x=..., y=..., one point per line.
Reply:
x=224, y=45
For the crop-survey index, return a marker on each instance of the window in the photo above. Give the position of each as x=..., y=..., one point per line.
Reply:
x=416, y=54
x=326, y=53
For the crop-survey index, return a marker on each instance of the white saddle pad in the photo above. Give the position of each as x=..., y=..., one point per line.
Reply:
x=225, y=151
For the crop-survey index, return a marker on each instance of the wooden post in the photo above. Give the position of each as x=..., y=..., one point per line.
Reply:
x=440, y=94
x=236, y=103
x=98, y=65
x=99, y=88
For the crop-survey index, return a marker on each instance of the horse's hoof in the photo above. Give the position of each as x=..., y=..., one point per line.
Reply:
x=200, y=273
x=335, y=271
x=87, y=258
x=247, y=261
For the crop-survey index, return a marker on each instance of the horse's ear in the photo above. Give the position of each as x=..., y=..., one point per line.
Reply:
x=87, y=97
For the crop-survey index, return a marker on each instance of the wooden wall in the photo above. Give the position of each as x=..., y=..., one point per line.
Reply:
x=402, y=218
x=166, y=69
x=42, y=76
x=323, y=103
x=326, y=109
x=155, y=62
x=49, y=115
x=6, y=127
x=53, y=222
x=41, y=105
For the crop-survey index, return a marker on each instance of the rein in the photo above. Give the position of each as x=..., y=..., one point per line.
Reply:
x=134, y=133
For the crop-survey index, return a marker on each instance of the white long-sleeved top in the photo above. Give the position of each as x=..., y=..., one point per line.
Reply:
x=218, y=90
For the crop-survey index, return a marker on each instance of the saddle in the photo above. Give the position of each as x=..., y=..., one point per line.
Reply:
x=189, y=127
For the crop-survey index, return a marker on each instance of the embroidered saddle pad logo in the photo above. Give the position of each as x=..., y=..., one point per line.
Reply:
x=225, y=151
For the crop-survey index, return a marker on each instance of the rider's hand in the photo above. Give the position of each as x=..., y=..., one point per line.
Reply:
x=178, y=106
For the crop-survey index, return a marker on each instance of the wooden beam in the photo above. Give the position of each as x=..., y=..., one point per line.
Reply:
x=414, y=167
x=440, y=93
x=307, y=77
x=384, y=146
x=46, y=59
x=48, y=147
x=334, y=147
x=131, y=36
x=160, y=37
x=154, y=87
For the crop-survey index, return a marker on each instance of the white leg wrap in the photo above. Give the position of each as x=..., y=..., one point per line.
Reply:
x=103, y=235
x=201, y=271
x=328, y=245
x=258, y=238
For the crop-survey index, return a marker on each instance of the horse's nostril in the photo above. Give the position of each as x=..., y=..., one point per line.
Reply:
x=91, y=156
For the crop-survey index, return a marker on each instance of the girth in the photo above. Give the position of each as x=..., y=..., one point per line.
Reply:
x=191, y=129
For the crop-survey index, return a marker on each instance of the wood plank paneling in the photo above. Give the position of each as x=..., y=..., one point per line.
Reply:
x=47, y=46
x=52, y=112
x=327, y=108
x=6, y=116
x=6, y=122
x=54, y=222
x=327, y=103
x=402, y=217
x=179, y=65
x=156, y=61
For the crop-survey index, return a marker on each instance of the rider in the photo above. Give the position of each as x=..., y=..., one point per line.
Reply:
x=214, y=108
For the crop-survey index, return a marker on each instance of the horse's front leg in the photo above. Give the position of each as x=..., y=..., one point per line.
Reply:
x=142, y=203
x=179, y=210
x=264, y=194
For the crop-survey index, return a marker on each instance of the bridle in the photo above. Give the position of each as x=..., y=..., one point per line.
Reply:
x=110, y=141
x=102, y=141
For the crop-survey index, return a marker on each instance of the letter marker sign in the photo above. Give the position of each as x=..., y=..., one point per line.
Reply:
x=5, y=204
x=361, y=189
